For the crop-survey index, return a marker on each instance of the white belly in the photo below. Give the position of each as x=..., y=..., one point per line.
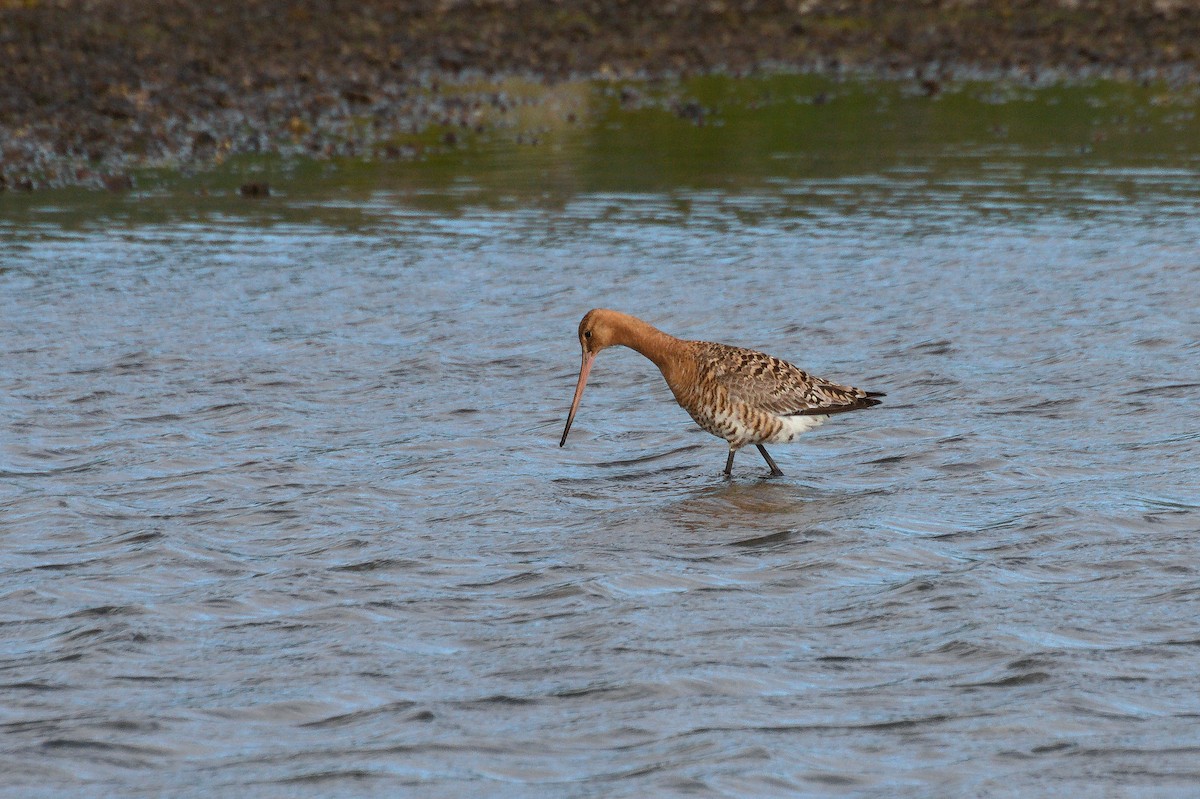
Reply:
x=741, y=430
x=794, y=426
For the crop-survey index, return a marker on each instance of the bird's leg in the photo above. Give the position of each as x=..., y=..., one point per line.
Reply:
x=729, y=462
x=775, y=470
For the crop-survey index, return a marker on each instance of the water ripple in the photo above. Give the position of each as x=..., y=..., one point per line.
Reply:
x=283, y=508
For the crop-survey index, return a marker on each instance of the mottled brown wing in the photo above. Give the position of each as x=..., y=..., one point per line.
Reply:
x=777, y=386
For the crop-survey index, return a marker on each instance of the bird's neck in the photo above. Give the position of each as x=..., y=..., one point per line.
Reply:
x=661, y=348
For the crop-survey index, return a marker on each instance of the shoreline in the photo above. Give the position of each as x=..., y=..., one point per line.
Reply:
x=92, y=90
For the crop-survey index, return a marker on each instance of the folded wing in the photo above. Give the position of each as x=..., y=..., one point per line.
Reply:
x=777, y=386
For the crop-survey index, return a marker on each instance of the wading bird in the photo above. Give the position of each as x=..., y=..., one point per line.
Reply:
x=740, y=395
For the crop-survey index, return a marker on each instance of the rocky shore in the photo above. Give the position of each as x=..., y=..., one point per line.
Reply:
x=90, y=89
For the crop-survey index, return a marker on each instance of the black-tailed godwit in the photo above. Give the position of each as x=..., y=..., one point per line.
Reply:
x=740, y=395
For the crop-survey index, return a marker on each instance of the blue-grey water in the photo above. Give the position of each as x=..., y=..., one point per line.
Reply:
x=283, y=511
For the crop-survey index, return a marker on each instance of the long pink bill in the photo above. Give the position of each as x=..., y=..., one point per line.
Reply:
x=584, y=369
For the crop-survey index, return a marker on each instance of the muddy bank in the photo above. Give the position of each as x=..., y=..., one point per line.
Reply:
x=90, y=89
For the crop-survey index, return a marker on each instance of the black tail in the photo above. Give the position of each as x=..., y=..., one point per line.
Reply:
x=871, y=400
x=859, y=403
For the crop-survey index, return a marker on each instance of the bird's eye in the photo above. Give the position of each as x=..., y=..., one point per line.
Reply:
x=587, y=334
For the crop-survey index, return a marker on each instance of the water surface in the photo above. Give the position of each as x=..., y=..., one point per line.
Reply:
x=283, y=510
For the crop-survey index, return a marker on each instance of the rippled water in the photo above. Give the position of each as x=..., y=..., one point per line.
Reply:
x=283, y=510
